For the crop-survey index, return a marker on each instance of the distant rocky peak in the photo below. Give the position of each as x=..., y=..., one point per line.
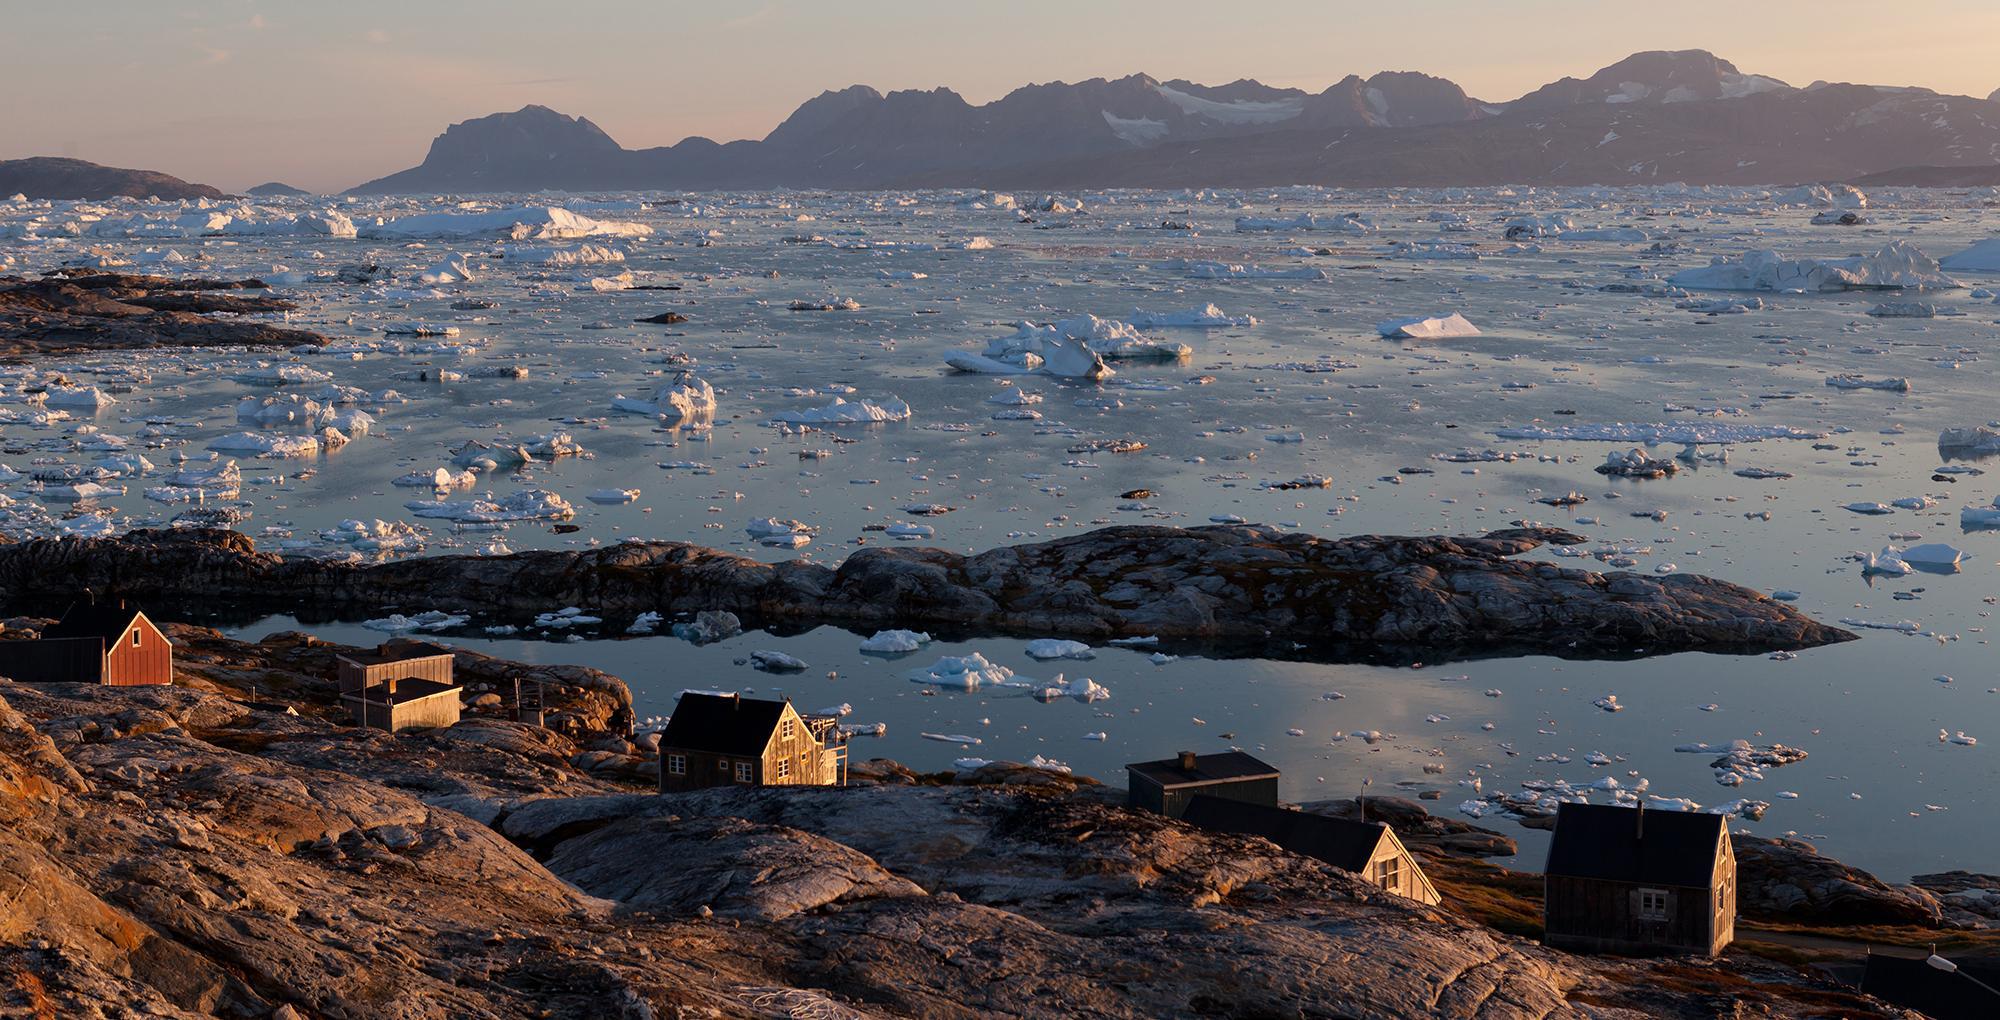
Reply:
x=1655, y=76
x=531, y=132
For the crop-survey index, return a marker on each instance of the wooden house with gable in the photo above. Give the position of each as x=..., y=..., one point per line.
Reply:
x=111, y=643
x=1629, y=880
x=725, y=739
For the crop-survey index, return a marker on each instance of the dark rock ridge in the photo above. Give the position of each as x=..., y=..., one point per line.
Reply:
x=1650, y=118
x=114, y=311
x=56, y=177
x=1225, y=584
x=277, y=189
x=176, y=853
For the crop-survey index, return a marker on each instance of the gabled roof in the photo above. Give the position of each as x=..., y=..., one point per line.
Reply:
x=1208, y=768
x=722, y=724
x=1615, y=844
x=380, y=658
x=1343, y=843
x=108, y=620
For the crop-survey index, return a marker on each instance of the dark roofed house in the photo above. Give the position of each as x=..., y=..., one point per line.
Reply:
x=1368, y=849
x=1166, y=786
x=1628, y=880
x=112, y=643
x=724, y=739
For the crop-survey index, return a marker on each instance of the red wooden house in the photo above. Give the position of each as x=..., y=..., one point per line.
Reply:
x=112, y=644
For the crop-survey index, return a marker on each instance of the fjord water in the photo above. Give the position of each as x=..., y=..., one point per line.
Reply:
x=1880, y=786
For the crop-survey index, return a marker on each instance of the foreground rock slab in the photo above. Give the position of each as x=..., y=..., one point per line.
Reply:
x=1279, y=592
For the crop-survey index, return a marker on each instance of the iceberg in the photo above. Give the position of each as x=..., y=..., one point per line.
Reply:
x=687, y=399
x=1420, y=328
x=1983, y=257
x=845, y=412
x=1900, y=266
x=526, y=505
x=1203, y=317
x=521, y=223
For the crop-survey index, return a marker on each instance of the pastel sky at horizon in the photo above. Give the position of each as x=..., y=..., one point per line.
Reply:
x=325, y=96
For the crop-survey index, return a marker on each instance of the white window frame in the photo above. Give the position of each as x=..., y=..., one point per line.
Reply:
x=784, y=768
x=677, y=764
x=744, y=774
x=1655, y=905
x=135, y=637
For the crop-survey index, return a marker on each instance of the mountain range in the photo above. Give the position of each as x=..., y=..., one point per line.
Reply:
x=58, y=177
x=1653, y=117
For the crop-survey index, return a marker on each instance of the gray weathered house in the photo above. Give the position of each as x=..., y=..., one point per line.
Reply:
x=390, y=691
x=716, y=739
x=1628, y=880
x=1368, y=849
x=1166, y=786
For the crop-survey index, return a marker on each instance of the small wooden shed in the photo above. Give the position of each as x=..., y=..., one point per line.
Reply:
x=1629, y=880
x=395, y=690
x=725, y=739
x=1368, y=849
x=112, y=643
x=1166, y=786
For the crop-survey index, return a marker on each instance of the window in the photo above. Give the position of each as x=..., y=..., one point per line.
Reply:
x=787, y=729
x=722, y=765
x=784, y=768
x=1652, y=904
x=677, y=764
x=135, y=637
x=1389, y=873
x=742, y=771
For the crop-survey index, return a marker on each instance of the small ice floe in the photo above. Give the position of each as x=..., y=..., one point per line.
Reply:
x=1609, y=703
x=1958, y=738
x=844, y=412
x=440, y=480
x=1856, y=382
x=1423, y=328
x=1872, y=509
x=1202, y=317
x=572, y=616
x=1082, y=688
x=909, y=530
x=1906, y=310
x=645, y=623
x=612, y=497
x=967, y=671
x=785, y=534
x=433, y=620
x=957, y=738
x=1746, y=761
x=1934, y=556
x=687, y=399
x=526, y=505
x=1887, y=563
x=1977, y=517
x=1913, y=503
x=1044, y=649
x=265, y=445
x=894, y=642
x=709, y=626
x=776, y=662
x=1635, y=463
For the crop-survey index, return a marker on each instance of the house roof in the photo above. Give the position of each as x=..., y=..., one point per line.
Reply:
x=108, y=620
x=1614, y=844
x=722, y=724
x=379, y=658
x=1914, y=984
x=1341, y=842
x=406, y=692
x=1208, y=768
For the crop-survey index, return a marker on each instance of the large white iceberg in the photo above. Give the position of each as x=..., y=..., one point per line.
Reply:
x=1421, y=328
x=1983, y=257
x=846, y=412
x=1900, y=266
x=521, y=223
x=687, y=399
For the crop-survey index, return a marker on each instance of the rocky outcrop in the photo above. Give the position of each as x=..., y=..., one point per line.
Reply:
x=60, y=178
x=1276, y=591
x=181, y=853
x=114, y=311
x=1785, y=879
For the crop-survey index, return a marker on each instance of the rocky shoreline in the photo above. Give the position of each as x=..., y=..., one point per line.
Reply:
x=1268, y=590
x=223, y=848
x=80, y=312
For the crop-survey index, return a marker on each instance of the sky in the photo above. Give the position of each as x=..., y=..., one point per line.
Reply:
x=327, y=95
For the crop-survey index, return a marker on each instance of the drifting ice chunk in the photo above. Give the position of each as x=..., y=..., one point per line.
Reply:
x=1983, y=257
x=1052, y=648
x=894, y=642
x=687, y=399
x=257, y=444
x=1900, y=266
x=1855, y=382
x=1427, y=329
x=1933, y=555
x=526, y=505
x=1205, y=317
x=967, y=671
x=538, y=223
x=844, y=412
x=88, y=398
